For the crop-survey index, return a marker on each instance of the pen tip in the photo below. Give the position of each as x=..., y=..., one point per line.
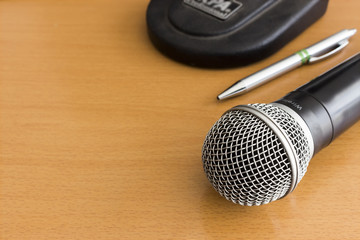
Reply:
x=220, y=97
x=226, y=94
x=237, y=89
x=223, y=96
x=353, y=31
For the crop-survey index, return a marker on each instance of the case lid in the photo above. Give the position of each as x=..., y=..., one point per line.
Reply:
x=228, y=33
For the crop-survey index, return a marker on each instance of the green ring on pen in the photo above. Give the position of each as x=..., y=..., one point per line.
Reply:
x=305, y=56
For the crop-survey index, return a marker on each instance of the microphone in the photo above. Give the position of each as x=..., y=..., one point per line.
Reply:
x=258, y=153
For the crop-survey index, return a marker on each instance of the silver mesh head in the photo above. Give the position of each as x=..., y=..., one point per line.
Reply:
x=256, y=154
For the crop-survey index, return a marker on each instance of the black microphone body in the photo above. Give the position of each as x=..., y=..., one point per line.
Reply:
x=258, y=153
x=330, y=103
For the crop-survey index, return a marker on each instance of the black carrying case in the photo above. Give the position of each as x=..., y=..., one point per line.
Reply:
x=228, y=33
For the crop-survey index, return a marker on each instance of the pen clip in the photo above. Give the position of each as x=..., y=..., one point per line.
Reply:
x=341, y=44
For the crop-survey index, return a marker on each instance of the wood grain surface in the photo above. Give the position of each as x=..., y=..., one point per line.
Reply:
x=101, y=135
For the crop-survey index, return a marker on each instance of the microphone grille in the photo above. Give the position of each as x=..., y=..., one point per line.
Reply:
x=247, y=162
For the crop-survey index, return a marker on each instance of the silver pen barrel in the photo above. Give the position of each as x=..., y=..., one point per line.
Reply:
x=261, y=77
x=315, y=52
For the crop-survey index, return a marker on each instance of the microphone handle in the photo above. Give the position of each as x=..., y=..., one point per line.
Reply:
x=330, y=103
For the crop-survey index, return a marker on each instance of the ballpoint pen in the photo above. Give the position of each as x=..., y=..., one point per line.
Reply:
x=314, y=53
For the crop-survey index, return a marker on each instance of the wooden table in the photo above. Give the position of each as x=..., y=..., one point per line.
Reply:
x=101, y=135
